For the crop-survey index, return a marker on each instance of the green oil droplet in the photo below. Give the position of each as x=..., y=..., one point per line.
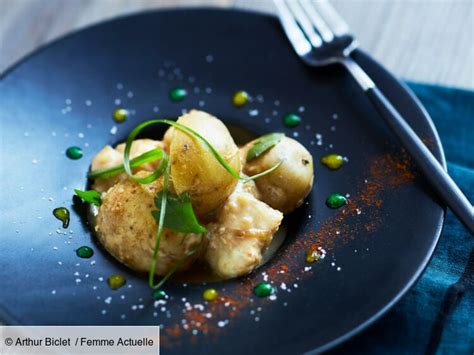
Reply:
x=159, y=294
x=74, y=153
x=210, y=294
x=84, y=252
x=291, y=120
x=263, y=289
x=120, y=115
x=240, y=98
x=312, y=256
x=116, y=281
x=336, y=201
x=62, y=213
x=332, y=161
x=178, y=94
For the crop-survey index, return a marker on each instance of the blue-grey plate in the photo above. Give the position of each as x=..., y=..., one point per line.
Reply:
x=64, y=95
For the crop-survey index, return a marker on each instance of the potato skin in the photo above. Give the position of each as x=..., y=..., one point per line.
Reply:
x=286, y=188
x=193, y=167
x=126, y=228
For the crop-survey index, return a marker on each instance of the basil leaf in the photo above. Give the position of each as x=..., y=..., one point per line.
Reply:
x=264, y=143
x=89, y=196
x=179, y=215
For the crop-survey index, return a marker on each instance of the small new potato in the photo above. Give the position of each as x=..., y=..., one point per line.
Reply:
x=127, y=229
x=286, y=188
x=194, y=169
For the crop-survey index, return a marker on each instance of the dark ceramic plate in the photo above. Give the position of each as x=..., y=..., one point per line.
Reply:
x=64, y=95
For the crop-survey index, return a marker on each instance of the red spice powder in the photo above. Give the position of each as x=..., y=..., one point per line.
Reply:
x=385, y=172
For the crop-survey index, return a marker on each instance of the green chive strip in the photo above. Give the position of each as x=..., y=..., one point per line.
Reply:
x=144, y=158
x=154, y=260
x=263, y=173
x=175, y=267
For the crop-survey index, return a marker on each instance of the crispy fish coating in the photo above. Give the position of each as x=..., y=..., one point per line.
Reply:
x=127, y=229
x=244, y=228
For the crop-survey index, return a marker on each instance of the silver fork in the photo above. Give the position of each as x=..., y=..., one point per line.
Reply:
x=321, y=37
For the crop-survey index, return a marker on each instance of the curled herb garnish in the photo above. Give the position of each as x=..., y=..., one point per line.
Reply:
x=264, y=143
x=89, y=196
x=192, y=133
x=158, y=153
x=151, y=155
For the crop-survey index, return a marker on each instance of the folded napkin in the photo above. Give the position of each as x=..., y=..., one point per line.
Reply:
x=437, y=314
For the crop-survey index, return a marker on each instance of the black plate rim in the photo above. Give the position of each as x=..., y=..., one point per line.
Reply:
x=421, y=269
x=5, y=316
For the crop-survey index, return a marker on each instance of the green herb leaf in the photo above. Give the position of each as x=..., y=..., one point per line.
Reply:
x=144, y=158
x=180, y=215
x=89, y=196
x=263, y=144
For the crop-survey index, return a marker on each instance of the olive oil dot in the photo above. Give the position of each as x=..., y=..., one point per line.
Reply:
x=240, y=98
x=336, y=201
x=62, y=213
x=85, y=252
x=263, y=289
x=332, y=161
x=120, y=115
x=74, y=153
x=178, y=94
x=116, y=281
x=291, y=120
x=312, y=256
x=159, y=294
x=210, y=294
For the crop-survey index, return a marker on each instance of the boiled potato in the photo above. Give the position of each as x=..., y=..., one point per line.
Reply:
x=193, y=167
x=243, y=230
x=286, y=187
x=127, y=229
x=109, y=157
x=167, y=138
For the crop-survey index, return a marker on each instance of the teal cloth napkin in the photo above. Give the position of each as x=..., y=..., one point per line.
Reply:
x=437, y=314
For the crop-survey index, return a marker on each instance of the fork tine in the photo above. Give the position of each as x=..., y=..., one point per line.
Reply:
x=330, y=15
x=305, y=23
x=300, y=44
x=317, y=21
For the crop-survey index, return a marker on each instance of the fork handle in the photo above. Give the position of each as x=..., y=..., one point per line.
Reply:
x=428, y=164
